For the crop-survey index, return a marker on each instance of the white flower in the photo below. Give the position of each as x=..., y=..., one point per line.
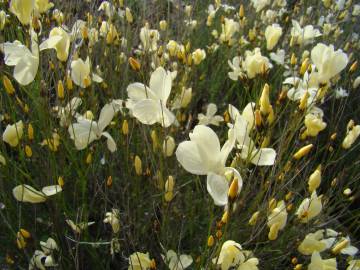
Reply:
x=42, y=6
x=26, y=62
x=113, y=219
x=13, y=133
x=315, y=242
x=229, y=28
x=26, y=193
x=317, y=263
x=202, y=156
x=22, y=9
x=149, y=38
x=44, y=258
x=210, y=118
x=108, y=8
x=278, y=57
x=328, y=62
x=236, y=72
x=198, y=56
x=304, y=35
x=272, y=35
x=341, y=92
x=232, y=255
x=277, y=219
x=243, y=124
x=66, y=113
x=309, y=208
x=148, y=104
x=80, y=73
x=176, y=262
x=139, y=261
x=255, y=63
x=59, y=40
x=86, y=131
x=260, y=4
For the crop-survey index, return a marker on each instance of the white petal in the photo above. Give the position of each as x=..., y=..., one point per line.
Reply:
x=106, y=115
x=160, y=83
x=26, y=69
x=50, y=43
x=110, y=142
x=248, y=113
x=51, y=190
x=263, y=157
x=211, y=109
x=138, y=91
x=166, y=117
x=350, y=250
x=147, y=111
x=218, y=188
x=189, y=157
x=96, y=78
x=83, y=133
x=26, y=193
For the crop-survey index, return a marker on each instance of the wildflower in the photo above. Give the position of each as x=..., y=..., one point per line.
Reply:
x=183, y=99
x=108, y=8
x=66, y=113
x=309, y=208
x=2, y=19
x=210, y=118
x=139, y=261
x=169, y=188
x=255, y=63
x=86, y=131
x=163, y=25
x=328, y=62
x=304, y=35
x=279, y=57
x=80, y=73
x=229, y=28
x=272, y=35
x=315, y=242
x=202, y=156
x=2, y=160
x=113, y=219
x=23, y=10
x=8, y=85
x=314, y=124
x=53, y=142
x=148, y=104
x=13, y=133
x=198, y=56
x=42, y=6
x=26, y=193
x=176, y=262
x=315, y=179
x=232, y=255
x=26, y=62
x=236, y=72
x=44, y=258
x=243, y=124
x=260, y=4
x=149, y=38
x=303, y=151
x=351, y=135
x=78, y=227
x=317, y=263
x=277, y=220
x=128, y=15
x=343, y=246
x=59, y=40
x=138, y=165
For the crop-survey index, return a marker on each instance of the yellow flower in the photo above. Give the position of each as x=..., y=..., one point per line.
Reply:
x=43, y=6
x=22, y=9
x=309, y=208
x=139, y=261
x=272, y=35
x=59, y=40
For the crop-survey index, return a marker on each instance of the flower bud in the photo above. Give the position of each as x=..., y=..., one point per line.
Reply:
x=168, y=146
x=234, y=188
x=339, y=246
x=60, y=90
x=60, y=181
x=264, y=100
x=125, y=127
x=241, y=11
x=315, y=179
x=304, y=65
x=163, y=25
x=30, y=132
x=138, y=165
x=254, y=218
x=210, y=241
x=8, y=85
x=303, y=151
x=353, y=67
x=134, y=64
x=225, y=217
x=28, y=151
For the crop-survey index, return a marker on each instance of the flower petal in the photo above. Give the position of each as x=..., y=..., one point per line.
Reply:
x=218, y=188
x=26, y=193
x=189, y=157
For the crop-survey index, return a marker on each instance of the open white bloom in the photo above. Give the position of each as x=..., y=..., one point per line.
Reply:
x=86, y=131
x=59, y=40
x=113, y=219
x=202, y=156
x=309, y=208
x=148, y=103
x=80, y=73
x=176, y=262
x=139, y=261
x=236, y=72
x=316, y=242
x=304, y=35
x=13, y=133
x=22, y=9
x=44, y=258
x=328, y=62
x=26, y=62
x=26, y=193
x=210, y=118
x=229, y=28
x=108, y=8
x=66, y=113
x=149, y=38
x=260, y=4
x=272, y=34
x=243, y=124
x=255, y=63
x=232, y=256
x=317, y=263
x=277, y=220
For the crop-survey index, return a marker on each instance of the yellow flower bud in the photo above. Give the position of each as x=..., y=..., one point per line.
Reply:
x=163, y=25
x=274, y=230
x=138, y=165
x=134, y=64
x=233, y=190
x=60, y=181
x=69, y=83
x=264, y=100
x=25, y=233
x=293, y=60
x=210, y=241
x=254, y=218
x=258, y=118
x=339, y=246
x=28, y=151
x=88, y=159
x=304, y=65
x=225, y=217
x=303, y=151
x=154, y=138
x=241, y=11
x=8, y=85
x=353, y=67
x=20, y=241
x=60, y=90
x=298, y=267
x=109, y=181
x=315, y=179
x=272, y=204
x=304, y=101
x=30, y=132
x=125, y=127
x=129, y=17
